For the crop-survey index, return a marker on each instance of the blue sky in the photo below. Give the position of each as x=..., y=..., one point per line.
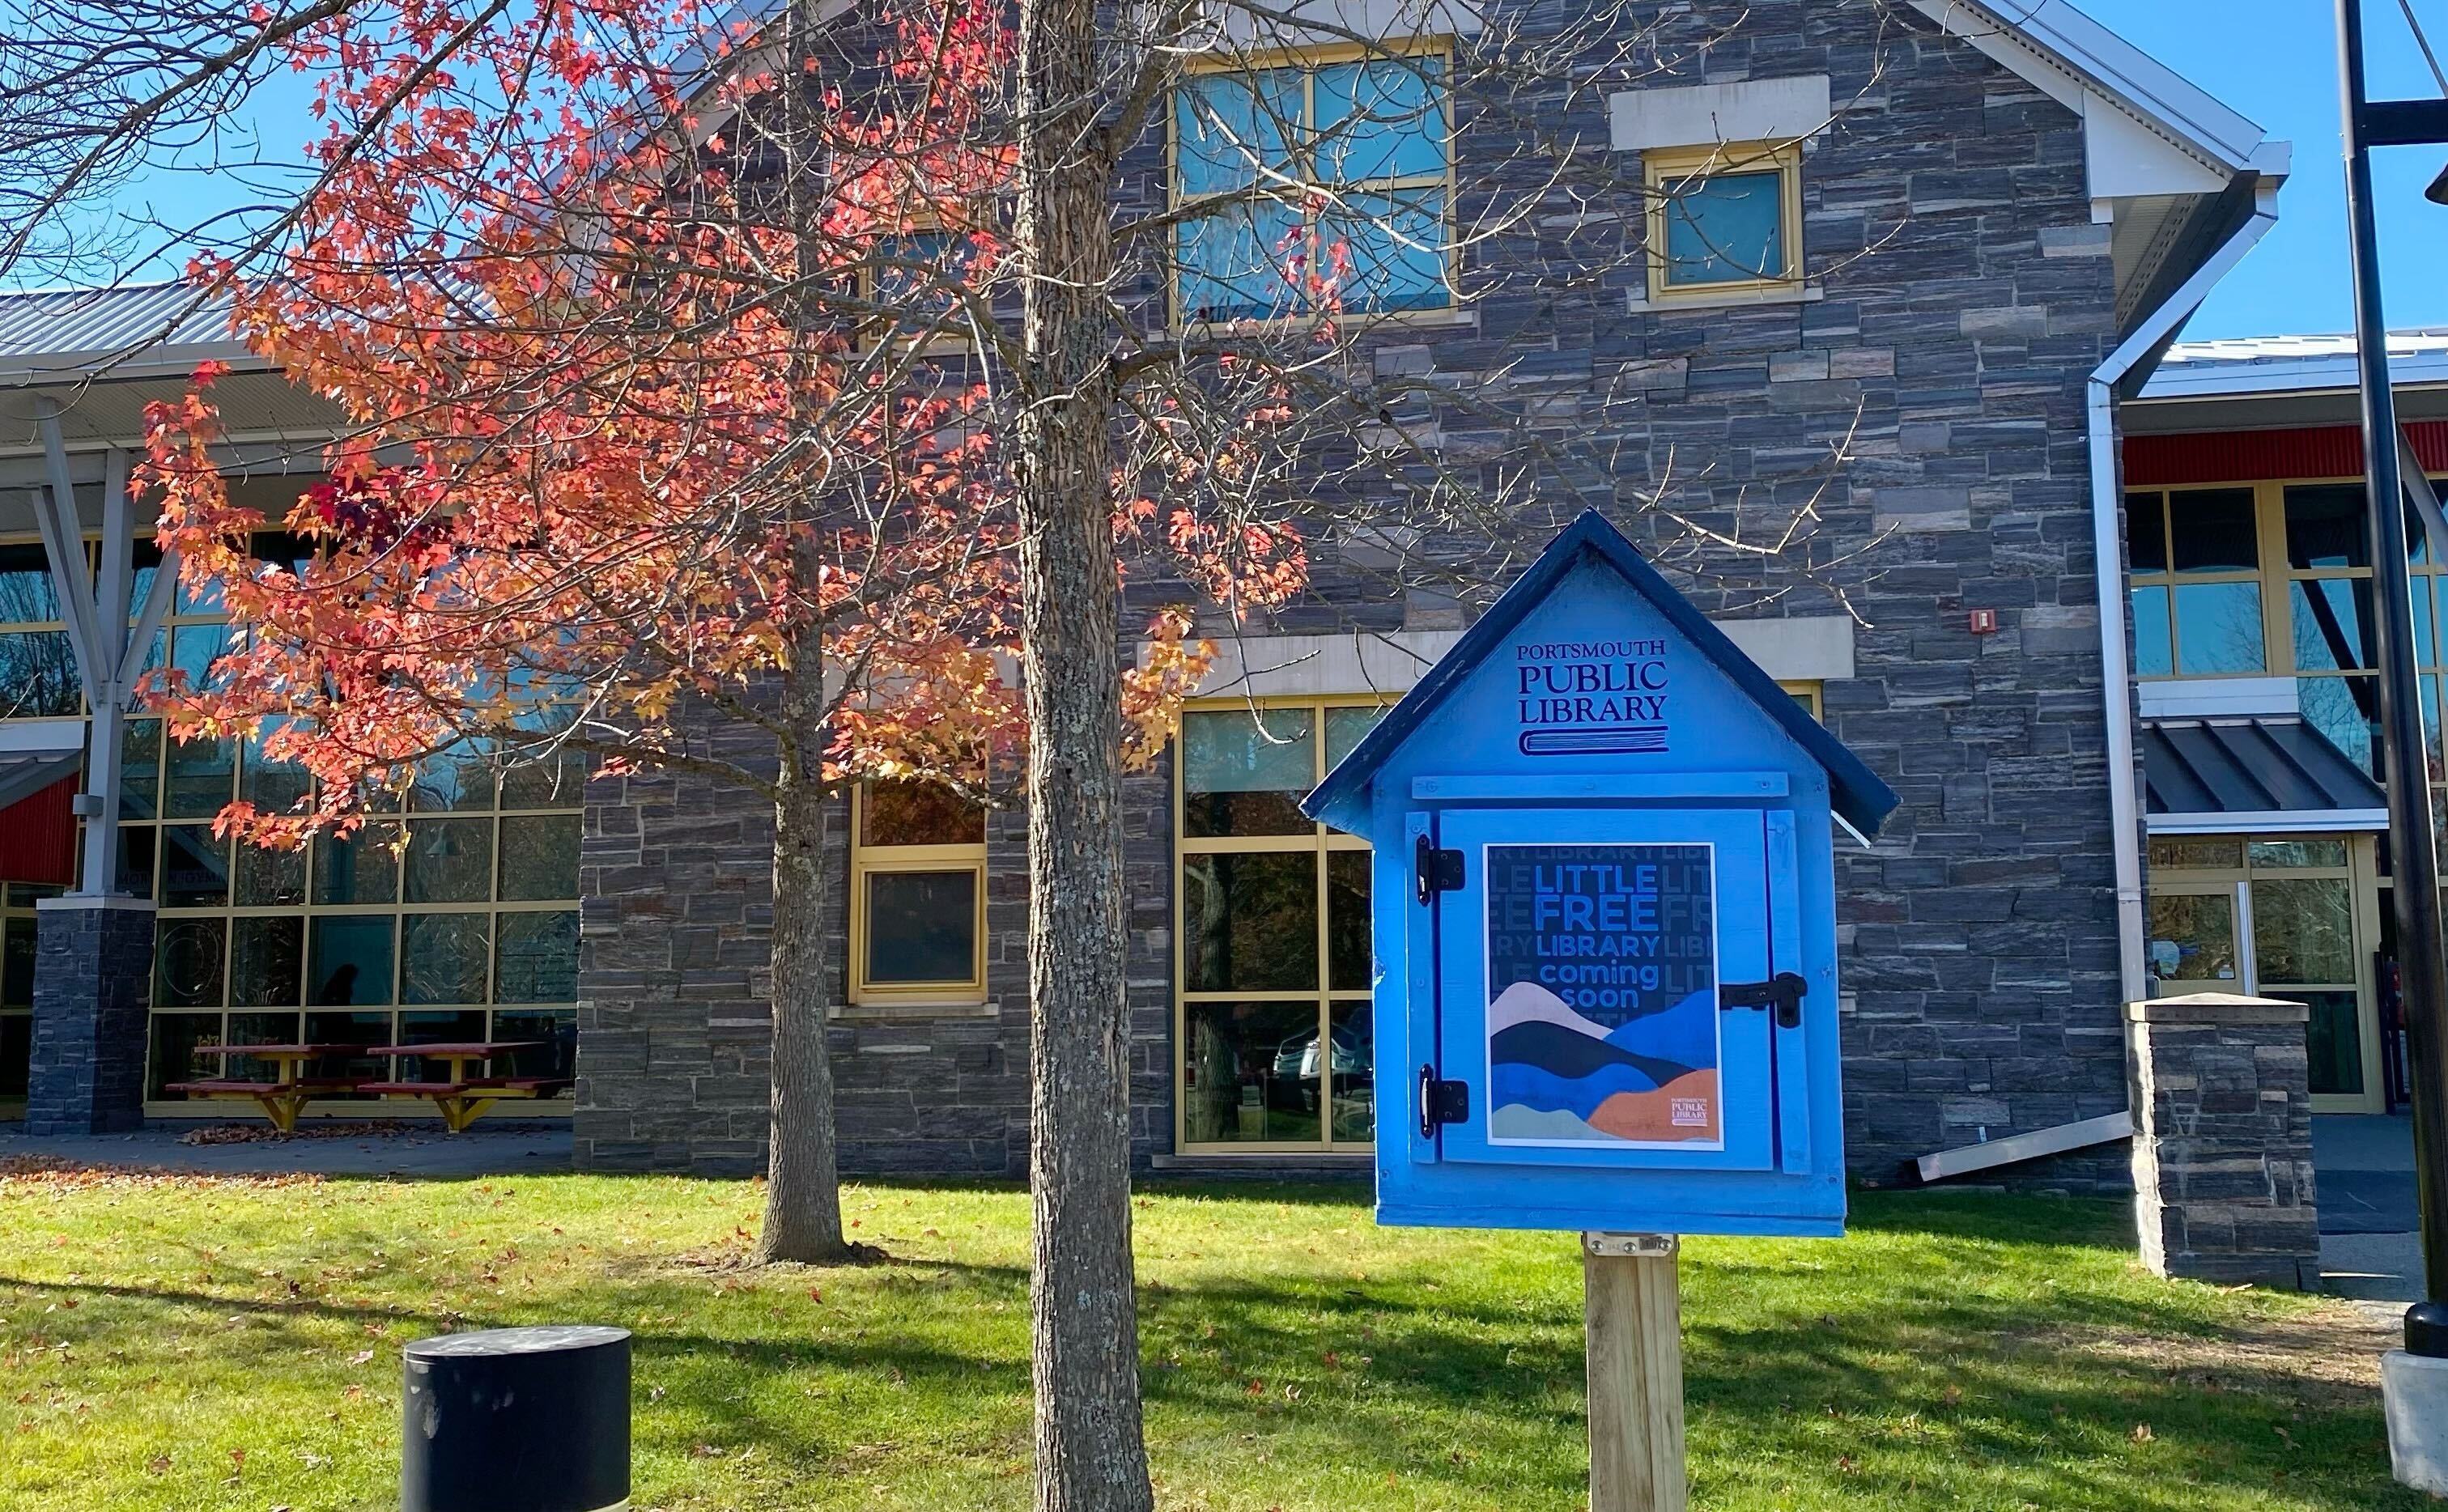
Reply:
x=2276, y=61
x=2273, y=59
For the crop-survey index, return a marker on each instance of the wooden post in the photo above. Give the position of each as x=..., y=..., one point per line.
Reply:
x=1633, y=1315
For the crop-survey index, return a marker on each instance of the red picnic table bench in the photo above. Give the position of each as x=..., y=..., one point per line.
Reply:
x=463, y=1095
x=290, y=1088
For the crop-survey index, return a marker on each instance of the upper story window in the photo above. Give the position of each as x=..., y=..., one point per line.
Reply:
x=1724, y=218
x=918, y=897
x=2275, y=579
x=2196, y=584
x=1335, y=165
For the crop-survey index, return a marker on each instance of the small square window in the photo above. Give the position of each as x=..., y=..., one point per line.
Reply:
x=1725, y=220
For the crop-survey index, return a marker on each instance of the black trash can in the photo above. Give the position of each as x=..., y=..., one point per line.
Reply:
x=517, y=1420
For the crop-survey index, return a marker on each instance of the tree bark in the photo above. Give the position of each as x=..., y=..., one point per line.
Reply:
x=803, y=1183
x=803, y=1180
x=1084, y=1321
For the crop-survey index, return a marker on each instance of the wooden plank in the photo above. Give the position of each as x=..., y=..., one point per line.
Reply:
x=1632, y=1315
x=2029, y=1146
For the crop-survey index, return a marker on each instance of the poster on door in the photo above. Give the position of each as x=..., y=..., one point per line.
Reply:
x=1602, y=996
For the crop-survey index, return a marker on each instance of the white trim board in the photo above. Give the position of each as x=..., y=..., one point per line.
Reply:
x=2277, y=821
x=2218, y=697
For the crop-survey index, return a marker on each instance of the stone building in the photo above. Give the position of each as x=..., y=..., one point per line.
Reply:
x=1985, y=224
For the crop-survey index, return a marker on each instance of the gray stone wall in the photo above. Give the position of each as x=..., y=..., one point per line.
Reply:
x=1960, y=298
x=2222, y=1156
x=93, y=984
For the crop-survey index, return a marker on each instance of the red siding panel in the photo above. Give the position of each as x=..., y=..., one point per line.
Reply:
x=38, y=835
x=2250, y=456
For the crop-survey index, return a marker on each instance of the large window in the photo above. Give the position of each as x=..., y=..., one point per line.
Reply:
x=455, y=919
x=1284, y=172
x=918, y=904
x=2275, y=579
x=1723, y=220
x=38, y=671
x=1275, y=1050
x=2196, y=584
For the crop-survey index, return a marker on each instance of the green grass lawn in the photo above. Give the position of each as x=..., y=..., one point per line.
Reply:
x=182, y=1344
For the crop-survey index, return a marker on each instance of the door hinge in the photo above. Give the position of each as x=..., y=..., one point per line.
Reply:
x=1441, y=1101
x=1437, y=871
x=1784, y=992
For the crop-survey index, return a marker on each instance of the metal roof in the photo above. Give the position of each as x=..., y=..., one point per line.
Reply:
x=23, y=773
x=2261, y=765
x=2291, y=364
x=137, y=330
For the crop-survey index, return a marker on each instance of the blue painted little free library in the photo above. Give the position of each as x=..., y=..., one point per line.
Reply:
x=1604, y=918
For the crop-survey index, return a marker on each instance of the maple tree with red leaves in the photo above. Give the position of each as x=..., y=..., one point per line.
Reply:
x=635, y=447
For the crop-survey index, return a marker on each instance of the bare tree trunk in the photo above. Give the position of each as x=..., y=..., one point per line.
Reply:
x=1084, y=1320
x=803, y=1185
x=803, y=1182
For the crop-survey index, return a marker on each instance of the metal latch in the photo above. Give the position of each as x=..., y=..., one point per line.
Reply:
x=1437, y=871
x=1784, y=992
x=1441, y=1101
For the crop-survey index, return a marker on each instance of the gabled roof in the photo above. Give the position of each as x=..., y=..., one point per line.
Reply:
x=1858, y=795
x=2066, y=54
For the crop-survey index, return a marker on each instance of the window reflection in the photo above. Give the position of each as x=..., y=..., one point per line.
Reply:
x=2333, y=625
x=1251, y=1073
x=2212, y=530
x=2218, y=627
x=1248, y=922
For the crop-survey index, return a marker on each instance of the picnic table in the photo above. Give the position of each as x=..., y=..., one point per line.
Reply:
x=290, y=1088
x=464, y=1093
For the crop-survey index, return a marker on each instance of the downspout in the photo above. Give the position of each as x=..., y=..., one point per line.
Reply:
x=2108, y=555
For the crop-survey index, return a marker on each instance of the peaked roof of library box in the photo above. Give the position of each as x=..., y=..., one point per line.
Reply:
x=1857, y=793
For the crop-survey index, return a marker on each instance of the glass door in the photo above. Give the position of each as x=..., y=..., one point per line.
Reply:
x=2304, y=897
x=2283, y=916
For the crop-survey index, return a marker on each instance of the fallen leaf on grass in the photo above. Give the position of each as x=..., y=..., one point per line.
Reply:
x=361, y=1358
x=159, y=1464
x=2141, y=1433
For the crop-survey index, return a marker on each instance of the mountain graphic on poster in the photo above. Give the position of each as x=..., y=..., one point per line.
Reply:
x=1555, y=1074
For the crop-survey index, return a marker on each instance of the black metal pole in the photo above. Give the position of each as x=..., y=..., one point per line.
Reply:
x=2422, y=968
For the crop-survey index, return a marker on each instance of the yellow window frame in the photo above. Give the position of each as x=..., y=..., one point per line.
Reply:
x=1320, y=839
x=1309, y=61
x=1667, y=172
x=867, y=861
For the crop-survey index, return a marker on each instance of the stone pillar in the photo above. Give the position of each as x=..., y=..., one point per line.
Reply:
x=2223, y=1139
x=94, y=989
